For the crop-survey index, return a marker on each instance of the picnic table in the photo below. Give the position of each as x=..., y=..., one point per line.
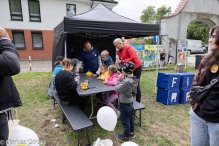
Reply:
x=95, y=86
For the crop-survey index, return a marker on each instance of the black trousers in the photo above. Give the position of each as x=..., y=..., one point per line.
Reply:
x=80, y=101
x=137, y=73
x=4, y=130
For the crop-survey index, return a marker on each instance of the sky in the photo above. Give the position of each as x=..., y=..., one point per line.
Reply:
x=133, y=8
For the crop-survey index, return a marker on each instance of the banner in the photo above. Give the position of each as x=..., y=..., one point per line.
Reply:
x=147, y=54
x=182, y=47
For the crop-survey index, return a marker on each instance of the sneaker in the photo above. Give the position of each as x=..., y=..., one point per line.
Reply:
x=122, y=138
x=118, y=114
x=64, y=102
x=132, y=134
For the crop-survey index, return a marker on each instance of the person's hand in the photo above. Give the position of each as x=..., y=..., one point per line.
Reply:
x=118, y=61
x=94, y=75
x=77, y=78
x=76, y=75
x=3, y=32
x=120, y=76
x=98, y=78
x=77, y=70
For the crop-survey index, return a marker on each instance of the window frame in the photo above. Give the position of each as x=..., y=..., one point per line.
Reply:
x=15, y=14
x=66, y=9
x=34, y=16
x=18, y=31
x=37, y=32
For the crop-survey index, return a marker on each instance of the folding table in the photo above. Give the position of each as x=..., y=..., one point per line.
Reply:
x=99, y=88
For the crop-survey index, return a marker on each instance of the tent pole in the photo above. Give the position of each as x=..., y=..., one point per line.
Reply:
x=65, y=45
x=156, y=67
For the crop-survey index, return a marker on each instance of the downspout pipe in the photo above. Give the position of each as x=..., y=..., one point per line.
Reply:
x=92, y=4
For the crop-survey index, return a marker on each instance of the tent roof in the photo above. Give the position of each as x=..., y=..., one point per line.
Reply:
x=101, y=20
x=101, y=13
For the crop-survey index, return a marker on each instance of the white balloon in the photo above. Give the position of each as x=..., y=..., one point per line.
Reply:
x=24, y=135
x=129, y=143
x=106, y=118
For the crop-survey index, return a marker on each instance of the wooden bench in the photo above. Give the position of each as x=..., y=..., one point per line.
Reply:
x=75, y=116
x=138, y=106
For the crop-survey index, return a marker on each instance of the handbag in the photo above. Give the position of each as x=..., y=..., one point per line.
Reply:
x=198, y=93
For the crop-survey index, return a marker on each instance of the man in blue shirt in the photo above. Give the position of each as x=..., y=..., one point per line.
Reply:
x=91, y=58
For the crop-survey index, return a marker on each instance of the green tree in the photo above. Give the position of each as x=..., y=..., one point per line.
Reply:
x=149, y=41
x=198, y=31
x=162, y=12
x=150, y=15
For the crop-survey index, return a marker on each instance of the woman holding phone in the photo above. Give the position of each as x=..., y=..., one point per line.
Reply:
x=66, y=85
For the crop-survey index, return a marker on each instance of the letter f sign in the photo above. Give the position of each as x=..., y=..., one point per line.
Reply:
x=174, y=81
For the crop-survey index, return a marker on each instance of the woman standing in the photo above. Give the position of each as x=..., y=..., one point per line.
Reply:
x=127, y=53
x=205, y=115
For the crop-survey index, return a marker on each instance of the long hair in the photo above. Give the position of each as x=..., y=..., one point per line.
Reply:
x=57, y=63
x=212, y=58
x=112, y=68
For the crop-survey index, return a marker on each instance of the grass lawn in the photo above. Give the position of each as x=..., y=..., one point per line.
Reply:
x=161, y=124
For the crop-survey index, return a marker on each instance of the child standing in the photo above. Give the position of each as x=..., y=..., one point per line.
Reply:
x=127, y=89
x=162, y=58
x=107, y=60
x=103, y=70
x=111, y=80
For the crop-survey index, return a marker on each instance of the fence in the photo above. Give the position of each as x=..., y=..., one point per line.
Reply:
x=36, y=66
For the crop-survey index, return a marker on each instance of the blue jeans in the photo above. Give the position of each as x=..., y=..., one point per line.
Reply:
x=4, y=131
x=203, y=133
x=126, y=116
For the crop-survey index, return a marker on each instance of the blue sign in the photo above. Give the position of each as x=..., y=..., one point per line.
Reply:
x=156, y=39
x=138, y=46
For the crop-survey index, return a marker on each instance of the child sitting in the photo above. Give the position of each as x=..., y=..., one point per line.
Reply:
x=111, y=80
x=58, y=65
x=107, y=60
x=127, y=88
x=103, y=70
x=66, y=86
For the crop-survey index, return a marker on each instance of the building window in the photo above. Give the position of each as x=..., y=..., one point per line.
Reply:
x=34, y=10
x=18, y=39
x=37, y=39
x=71, y=9
x=16, y=10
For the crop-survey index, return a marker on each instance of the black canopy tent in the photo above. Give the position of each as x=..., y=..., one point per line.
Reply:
x=101, y=26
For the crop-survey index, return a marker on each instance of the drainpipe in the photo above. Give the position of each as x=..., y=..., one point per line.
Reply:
x=92, y=4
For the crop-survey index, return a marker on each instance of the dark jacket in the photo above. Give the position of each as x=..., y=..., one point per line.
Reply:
x=9, y=66
x=66, y=85
x=209, y=108
x=162, y=56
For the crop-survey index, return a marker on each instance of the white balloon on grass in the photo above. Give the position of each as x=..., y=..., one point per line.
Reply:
x=106, y=118
x=23, y=135
x=129, y=143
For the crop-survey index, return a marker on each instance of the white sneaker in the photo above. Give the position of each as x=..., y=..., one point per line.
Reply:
x=118, y=113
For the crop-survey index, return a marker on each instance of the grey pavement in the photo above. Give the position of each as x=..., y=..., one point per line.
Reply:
x=37, y=65
x=191, y=59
